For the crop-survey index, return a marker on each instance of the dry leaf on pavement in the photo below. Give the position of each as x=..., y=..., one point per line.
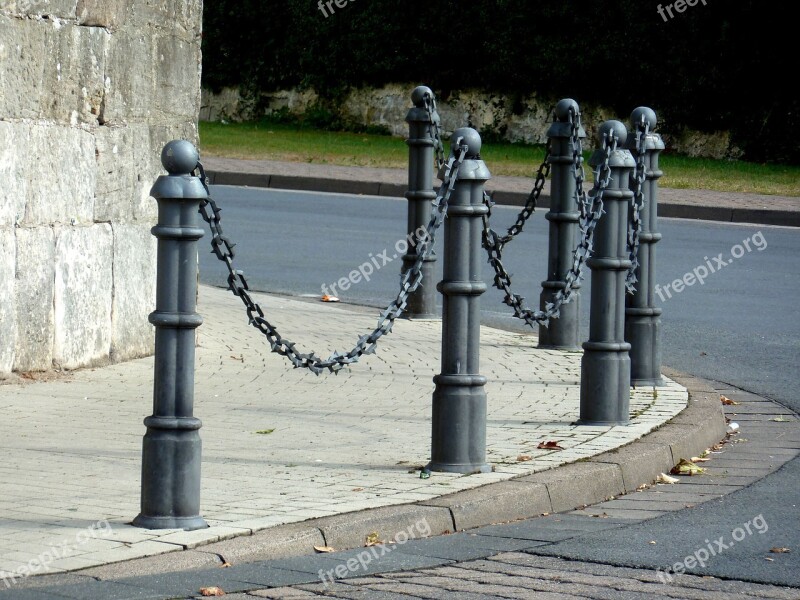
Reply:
x=552, y=445
x=697, y=459
x=780, y=550
x=211, y=591
x=524, y=457
x=324, y=549
x=329, y=298
x=664, y=478
x=373, y=539
x=727, y=401
x=686, y=467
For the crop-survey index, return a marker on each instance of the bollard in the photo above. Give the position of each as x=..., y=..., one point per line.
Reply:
x=561, y=333
x=459, y=400
x=606, y=366
x=171, y=446
x=422, y=302
x=642, y=317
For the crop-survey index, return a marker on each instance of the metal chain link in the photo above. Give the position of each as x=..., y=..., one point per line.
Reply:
x=577, y=162
x=410, y=281
x=429, y=101
x=588, y=224
x=637, y=203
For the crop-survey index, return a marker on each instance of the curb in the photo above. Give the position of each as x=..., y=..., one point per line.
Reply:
x=700, y=425
x=723, y=214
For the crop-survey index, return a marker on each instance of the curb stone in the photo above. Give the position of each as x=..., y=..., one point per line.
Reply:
x=785, y=218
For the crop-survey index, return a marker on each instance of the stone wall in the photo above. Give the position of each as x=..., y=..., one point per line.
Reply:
x=515, y=120
x=90, y=90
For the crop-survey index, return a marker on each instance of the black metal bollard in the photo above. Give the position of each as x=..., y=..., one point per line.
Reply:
x=459, y=400
x=561, y=333
x=172, y=446
x=642, y=317
x=606, y=366
x=422, y=302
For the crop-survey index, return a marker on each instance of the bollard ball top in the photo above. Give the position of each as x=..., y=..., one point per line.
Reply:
x=418, y=95
x=649, y=116
x=179, y=157
x=615, y=128
x=563, y=106
x=470, y=137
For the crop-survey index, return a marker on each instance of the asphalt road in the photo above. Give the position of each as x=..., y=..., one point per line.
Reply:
x=740, y=326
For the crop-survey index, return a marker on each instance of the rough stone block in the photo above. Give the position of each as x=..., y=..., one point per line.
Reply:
x=110, y=14
x=60, y=176
x=74, y=85
x=131, y=77
x=180, y=16
x=21, y=44
x=62, y=9
x=178, y=85
x=8, y=320
x=34, y=299
x=83, y=288
x=125, y=173
x=134, y=291
x=14, y=141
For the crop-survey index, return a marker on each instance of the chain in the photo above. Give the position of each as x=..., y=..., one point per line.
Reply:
x=577, y=162
x=410, y=281
x=588, y=224
x=637, y=202
x=429, y=101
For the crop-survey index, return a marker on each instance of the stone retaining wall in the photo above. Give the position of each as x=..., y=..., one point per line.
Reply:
x=90, y=90
x=515, y=120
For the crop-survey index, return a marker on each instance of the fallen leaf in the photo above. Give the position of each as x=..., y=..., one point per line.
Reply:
x=781, y=419
x=651, y=542
x=686, y=467
x=225, y=565
x=357, y=489
x=424, y=474
x=211, y=591
x=524, y=457
x=549, y=446
x=780, y=550
x=265, y=431
x=664, y=478
x=697, y=459
x=324, y=549
x=727, y=401
x=329, y=298
x=642, y=487
x=373, y=539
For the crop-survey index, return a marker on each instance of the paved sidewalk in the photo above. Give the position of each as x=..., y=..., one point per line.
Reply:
x=280, y=445
x=520, y=559
x=689, y=204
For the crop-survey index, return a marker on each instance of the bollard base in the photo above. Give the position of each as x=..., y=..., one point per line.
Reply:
x=185, y=523
x=464, y=469
x=605, y=384
x=656, y=382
